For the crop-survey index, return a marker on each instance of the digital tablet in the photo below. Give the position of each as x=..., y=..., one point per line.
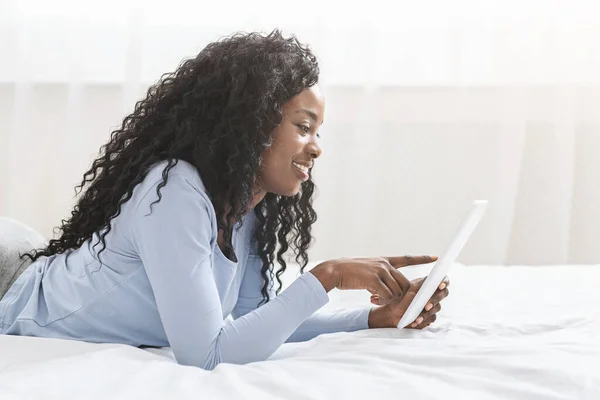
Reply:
x=440, y=269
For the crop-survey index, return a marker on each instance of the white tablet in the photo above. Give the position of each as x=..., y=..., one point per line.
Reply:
x=440, y=269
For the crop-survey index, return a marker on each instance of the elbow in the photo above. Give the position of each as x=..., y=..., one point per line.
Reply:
x=224, y=348
x=207, y=364
x=206, y=357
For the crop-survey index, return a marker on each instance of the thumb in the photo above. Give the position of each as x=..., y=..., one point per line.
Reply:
x=399, y=306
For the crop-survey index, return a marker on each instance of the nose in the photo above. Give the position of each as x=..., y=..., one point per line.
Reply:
x=314, y=149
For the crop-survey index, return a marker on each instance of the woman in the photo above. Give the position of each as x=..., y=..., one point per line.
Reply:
x=194, y=199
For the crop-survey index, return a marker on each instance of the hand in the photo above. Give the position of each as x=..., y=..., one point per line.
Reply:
x=377, y=275
x=389, y=315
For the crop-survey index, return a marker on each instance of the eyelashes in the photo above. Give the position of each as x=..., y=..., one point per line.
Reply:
x=306, y=129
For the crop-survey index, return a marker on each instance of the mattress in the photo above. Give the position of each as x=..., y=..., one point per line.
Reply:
x=505, y=332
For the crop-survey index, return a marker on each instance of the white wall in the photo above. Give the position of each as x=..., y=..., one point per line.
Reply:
x=426, y=111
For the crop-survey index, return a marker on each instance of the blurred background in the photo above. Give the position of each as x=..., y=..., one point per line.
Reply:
x=431, y=105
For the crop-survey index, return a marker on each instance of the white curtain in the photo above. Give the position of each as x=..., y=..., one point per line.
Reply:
x=430, y=106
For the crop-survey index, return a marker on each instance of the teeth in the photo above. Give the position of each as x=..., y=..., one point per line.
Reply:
x=301, y=167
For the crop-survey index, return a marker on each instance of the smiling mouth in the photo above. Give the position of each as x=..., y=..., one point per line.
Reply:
x=301, y=167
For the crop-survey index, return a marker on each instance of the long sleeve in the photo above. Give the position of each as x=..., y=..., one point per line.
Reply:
x=319, y=323
x=175, y=239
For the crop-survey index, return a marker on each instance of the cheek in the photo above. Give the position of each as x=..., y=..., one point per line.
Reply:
x=277, y=157
x=277, y=174
x=274, y=164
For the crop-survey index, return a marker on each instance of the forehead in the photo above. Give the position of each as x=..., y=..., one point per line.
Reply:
x=310, y=99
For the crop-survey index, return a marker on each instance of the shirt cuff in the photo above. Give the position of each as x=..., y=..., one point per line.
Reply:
x=363, y=318
x=316, y=287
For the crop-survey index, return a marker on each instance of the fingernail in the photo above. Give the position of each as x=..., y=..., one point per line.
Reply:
x=419, y=320
x=428, y=307
x=442, y=286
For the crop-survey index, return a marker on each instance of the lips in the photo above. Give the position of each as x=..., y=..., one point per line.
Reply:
x=302, y=167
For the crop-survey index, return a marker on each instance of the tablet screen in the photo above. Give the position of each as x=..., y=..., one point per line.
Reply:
x=440, y=269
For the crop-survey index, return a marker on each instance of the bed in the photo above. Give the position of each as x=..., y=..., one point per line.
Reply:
x=504, y=333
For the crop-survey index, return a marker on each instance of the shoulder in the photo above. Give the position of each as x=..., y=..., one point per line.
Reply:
x=183, y=182
x=181, y=176
x=181, y=169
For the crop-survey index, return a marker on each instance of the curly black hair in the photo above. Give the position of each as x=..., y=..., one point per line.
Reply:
x=216, y=111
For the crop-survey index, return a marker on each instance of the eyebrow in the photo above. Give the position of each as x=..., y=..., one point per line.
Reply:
x=311, y=114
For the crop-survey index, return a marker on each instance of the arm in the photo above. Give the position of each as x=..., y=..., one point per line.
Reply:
x=175, y=242
x=319, y=323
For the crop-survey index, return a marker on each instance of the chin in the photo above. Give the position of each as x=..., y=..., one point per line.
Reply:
x=288, y=191
x=291, y=193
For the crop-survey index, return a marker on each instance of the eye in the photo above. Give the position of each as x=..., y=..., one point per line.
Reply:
x=305, y=129
x=319, y=135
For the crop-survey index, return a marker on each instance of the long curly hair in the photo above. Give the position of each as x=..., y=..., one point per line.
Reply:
x=217, y=111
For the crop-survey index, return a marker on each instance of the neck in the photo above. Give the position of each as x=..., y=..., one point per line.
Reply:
x=257, y=198
x=259, y=194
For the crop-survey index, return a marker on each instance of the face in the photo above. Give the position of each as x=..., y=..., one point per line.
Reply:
x=295, y=147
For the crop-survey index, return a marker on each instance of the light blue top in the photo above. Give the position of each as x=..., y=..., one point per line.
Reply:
x=165, y=282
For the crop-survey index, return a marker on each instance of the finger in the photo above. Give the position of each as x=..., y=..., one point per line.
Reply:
x=402, y=281
x=381, y=290
x=417, y=283
x=444, y=284
x=427, y=314
x=399, y=306
x=375, y=300
x=416, y=322
x=403, y=261
x=427, y=322
x=421, y=322
x=392, y=284
x=436, y=298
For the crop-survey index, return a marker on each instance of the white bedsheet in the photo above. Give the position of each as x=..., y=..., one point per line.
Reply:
x=504, y=333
